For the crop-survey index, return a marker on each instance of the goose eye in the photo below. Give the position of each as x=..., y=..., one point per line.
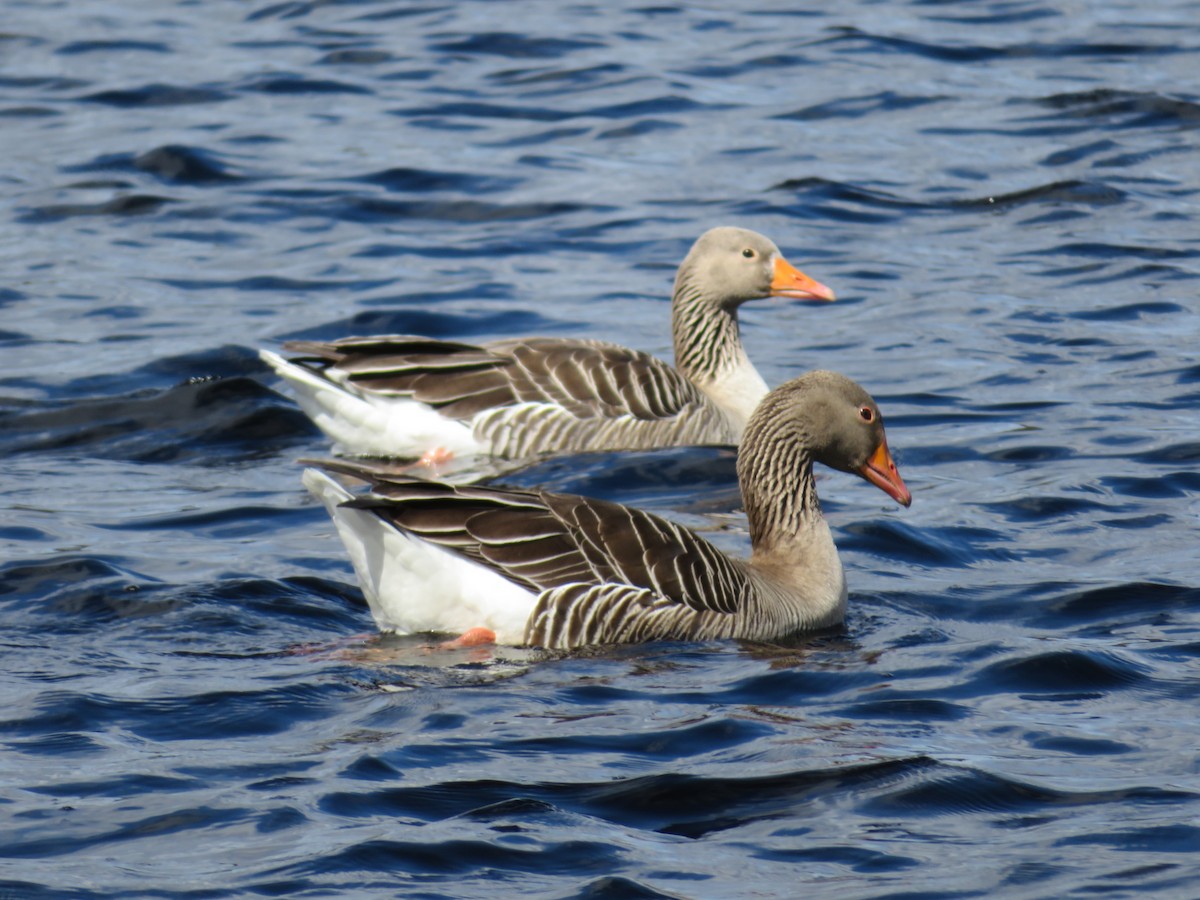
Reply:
x=748, y=253
x=868, y=414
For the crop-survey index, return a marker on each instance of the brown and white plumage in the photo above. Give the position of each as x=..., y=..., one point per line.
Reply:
x=561, y=571
x=404, y=396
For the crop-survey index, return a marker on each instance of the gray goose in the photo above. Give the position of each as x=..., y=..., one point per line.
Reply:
x=421, y=398
x=560, y=571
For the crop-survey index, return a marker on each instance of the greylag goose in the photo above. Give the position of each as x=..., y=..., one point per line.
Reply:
x=416, y=397
x=560, y=571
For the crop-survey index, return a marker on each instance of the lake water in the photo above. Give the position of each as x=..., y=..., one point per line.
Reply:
x=1005, y=196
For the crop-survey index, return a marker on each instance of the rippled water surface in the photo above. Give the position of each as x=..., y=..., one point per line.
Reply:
x=1004, y=194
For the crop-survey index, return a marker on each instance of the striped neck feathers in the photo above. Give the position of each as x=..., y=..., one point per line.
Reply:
x=775, y=470
x=707, y=340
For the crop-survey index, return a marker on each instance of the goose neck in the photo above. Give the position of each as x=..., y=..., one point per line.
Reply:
x=706, y=335
x=779, y=491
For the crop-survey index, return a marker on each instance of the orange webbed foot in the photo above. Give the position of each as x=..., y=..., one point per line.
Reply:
x=472, y=637
x=435, y=457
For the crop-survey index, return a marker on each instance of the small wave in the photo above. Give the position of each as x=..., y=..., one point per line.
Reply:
x=1059, y=672
x=998, y=15
x=423, y=321
x=296, y=84
x=1046, y=508
x=1172, y=454
x=569, y=78
x=654, y=106
x=419, y=181
x=1130, y=109
x=158, y=95
x=954, y=546
x=638, y=129
x=227, y=523
x=1088, y=193
x=1076, y=154
x=685, y=805
x=616, y=887
x=274, y=618
x=840, y=191
x=1128, y=312
x=1030, y=453
x=858, y=107
x=511, y=45
x=461, y=857
x=51, y=83
x=939, y=789
x=46, y=577
x=906, y=709
x=474, y=109
x=537, y=138
x=373, y=209
x=1177, y=838
x=78, y=48
x=1137, y=157
x=273, y=283
x=196, y=716
x=1172, y=484
x=1071, y=191
x=467, y=110
x=1068, y=607
x=120, y=597
x=119, y=786
x=125, y=205
x=10, y=295
x=356, y=57
x=1101, y=250
x=981, y=53
x=821, y=198
x=28, y=112
x=173, y=163
x=185, y=423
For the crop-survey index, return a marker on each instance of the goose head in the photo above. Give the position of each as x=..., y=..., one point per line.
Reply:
x=729, y=266
x=846, y=432
x=821, y=416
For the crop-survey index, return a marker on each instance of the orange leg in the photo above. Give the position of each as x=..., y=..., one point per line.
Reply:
x=434, y=457
x=472, y=637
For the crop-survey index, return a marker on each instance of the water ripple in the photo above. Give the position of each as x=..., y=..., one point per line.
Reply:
x=1077, y=672
x=155, y=95
x=513, y=46
x=172, y=163
x=188, y=422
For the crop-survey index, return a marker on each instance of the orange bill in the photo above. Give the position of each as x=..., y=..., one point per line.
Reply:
x=791, y=282
x=881, y=471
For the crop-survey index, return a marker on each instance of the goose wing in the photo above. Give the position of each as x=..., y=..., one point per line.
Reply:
x=584, y=378
x=604, y=572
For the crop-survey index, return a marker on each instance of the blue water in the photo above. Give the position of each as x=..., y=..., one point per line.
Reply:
x=1004, y=195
